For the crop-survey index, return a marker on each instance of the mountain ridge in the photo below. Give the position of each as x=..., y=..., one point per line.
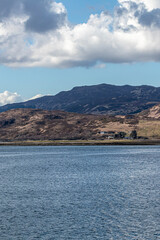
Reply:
x=96, y=99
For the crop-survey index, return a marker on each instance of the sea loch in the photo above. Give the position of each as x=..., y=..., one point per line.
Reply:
x=87, y=192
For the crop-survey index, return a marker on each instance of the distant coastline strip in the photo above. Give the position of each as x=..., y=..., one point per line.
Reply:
x=81, y=143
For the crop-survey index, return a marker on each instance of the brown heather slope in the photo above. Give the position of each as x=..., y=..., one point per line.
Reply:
x=31, y=124
x=149, y=122
x=151, y=113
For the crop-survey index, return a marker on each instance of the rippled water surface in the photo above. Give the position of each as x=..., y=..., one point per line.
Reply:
x=80, y=193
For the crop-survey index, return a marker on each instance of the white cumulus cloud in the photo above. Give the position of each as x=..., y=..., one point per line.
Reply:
x=8, y=97
x=130, y=34
x=150, y=4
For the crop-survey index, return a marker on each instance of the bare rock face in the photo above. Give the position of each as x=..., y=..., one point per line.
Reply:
x=98, y=99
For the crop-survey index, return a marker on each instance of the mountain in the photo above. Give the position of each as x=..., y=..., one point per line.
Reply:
x=97, y=99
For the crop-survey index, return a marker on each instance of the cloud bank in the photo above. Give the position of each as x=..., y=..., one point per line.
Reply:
x=8, y=97
x=38, y=34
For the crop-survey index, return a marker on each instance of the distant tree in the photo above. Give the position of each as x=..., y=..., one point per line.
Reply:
x=120, y=135
x=133, y=134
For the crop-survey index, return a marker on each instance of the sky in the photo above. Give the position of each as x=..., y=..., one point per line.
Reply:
x=50, y=46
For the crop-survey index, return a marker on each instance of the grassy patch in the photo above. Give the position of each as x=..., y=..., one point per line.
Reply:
x=150, y=129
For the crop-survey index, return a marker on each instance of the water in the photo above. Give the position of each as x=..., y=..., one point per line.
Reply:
x=80, y=193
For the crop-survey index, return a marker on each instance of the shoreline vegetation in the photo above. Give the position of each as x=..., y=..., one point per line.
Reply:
x=81, y=142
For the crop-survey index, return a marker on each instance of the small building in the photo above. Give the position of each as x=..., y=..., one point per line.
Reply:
x=102, y=132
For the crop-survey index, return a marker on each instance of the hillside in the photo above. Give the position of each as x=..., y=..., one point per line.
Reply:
x=24, y=124
x=98, y=99
x=31, y=124
x=151, y=113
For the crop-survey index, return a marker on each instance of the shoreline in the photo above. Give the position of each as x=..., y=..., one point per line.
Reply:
x=81, y=142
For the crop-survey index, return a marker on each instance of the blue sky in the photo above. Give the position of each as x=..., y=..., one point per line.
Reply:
x=79, y=11
x=30, y=79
